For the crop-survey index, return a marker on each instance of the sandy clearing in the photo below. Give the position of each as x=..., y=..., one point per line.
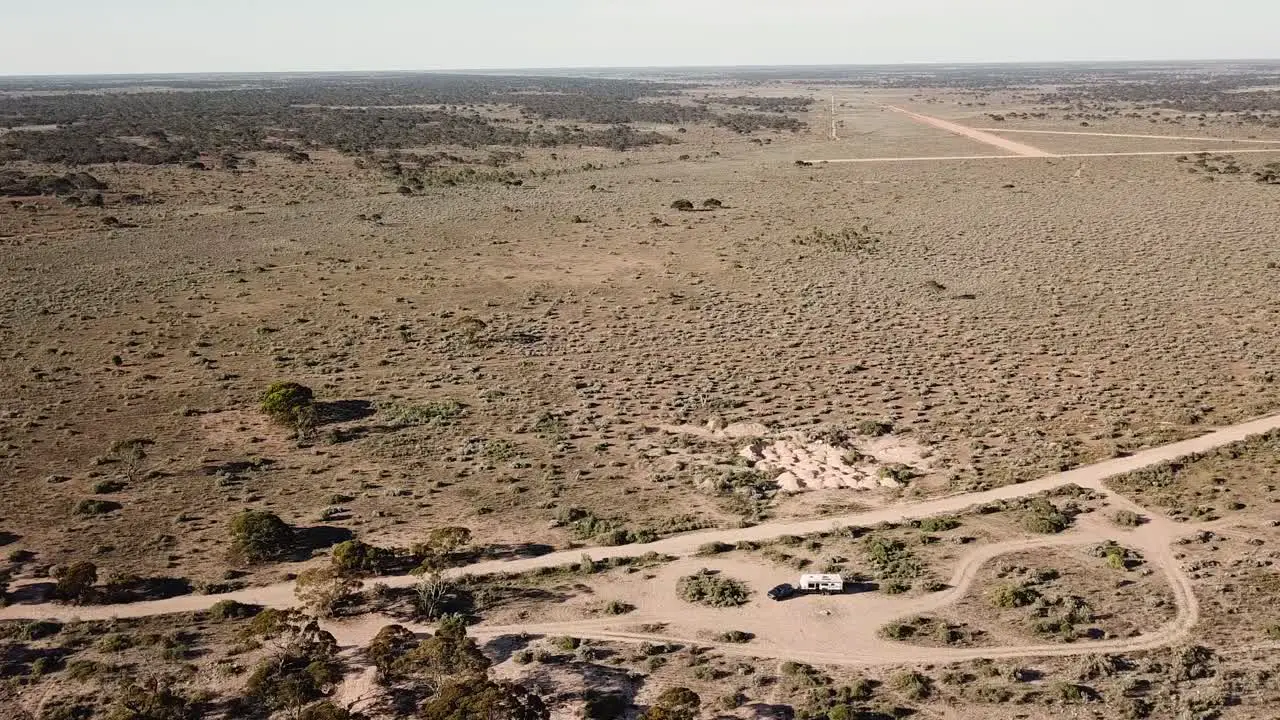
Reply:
x=850, y=623
x=983, y=137
x=1091, y=476
x=1132, y=135
x=1234, y=151
x=836, y=630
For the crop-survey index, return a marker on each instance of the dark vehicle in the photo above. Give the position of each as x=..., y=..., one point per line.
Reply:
x=781, y=592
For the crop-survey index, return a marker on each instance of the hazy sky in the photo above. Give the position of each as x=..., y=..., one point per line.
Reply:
x=120, y=36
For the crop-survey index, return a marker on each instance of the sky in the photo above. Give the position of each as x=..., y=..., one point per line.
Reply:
x=163, y=36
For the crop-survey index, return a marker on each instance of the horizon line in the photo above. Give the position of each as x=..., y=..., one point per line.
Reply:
x=605, y=68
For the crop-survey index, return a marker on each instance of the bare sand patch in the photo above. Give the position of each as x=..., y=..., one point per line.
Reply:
x=883, y=462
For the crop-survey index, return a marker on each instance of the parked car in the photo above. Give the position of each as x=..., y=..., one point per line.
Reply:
x=781, y=592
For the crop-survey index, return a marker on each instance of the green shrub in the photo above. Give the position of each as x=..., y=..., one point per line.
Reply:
x=714, y=548
x=894, y=587
x=114, y=643
x=735, y=636
x=39, y=629
x=45, y=665
x=441, y=412
x=287, y=402
x=913, y=685
x=566, y=643
x=942, y=523
x=106, y=487
x=353, y=557
x=898, y=631
x=75, y=583
x=617, y=607
x=1060, y=627
x=898, y=473
x=804, y=675
x=1126, y=518
x=258, y=535
x=1013, y=596
x=682, y=205
x=875, y=428
x=1067, y=692
x=706, y=588
x=1046, y=518
x=232, y=610
x=84, y=670
x=891, y=558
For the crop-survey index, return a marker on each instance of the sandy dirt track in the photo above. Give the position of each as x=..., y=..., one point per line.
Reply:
x=1133, y=135
x=1157, y=537
x=1016, y=148
x=1025, y=157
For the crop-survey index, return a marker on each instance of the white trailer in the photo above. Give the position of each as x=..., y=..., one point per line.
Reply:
x=822, y=583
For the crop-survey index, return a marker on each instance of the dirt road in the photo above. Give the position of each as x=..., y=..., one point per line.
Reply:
x=1234, y=151
x=839, y=630
x=1016, y=148
x=1091, y=476
x=1132, y=135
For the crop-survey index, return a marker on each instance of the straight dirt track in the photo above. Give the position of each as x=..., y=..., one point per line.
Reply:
x=1014, y=147
x=1132, y=135
x=1141, y=153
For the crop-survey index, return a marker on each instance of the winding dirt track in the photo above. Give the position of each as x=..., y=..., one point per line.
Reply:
x=1153, y=539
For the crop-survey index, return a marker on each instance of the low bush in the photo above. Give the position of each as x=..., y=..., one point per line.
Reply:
x=1126, y=518
x=1013, y=596
x=911, y=684
x=287, y=402
x=707, y=588
x=714, y=548
x=258, y=535
x=875, y=428
x=617, y=607
x=941, y=523
x=1045, y=518
x=735, y=636
x=232, y=610
x=891, y=558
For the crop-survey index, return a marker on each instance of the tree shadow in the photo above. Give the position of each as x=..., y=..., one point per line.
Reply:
x=137, y=589
x=8, y=538
x=31, y=594
x=340, y=411
x=309, y=539
x=501, y=648
x=513, y=551
x=237, y=467
x=768, y=711
x=18, y=659
x=612, y=690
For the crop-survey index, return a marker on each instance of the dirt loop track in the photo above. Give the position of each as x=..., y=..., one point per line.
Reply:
x=859, y=643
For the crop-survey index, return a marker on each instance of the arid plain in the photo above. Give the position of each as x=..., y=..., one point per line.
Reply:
x=552, y=355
